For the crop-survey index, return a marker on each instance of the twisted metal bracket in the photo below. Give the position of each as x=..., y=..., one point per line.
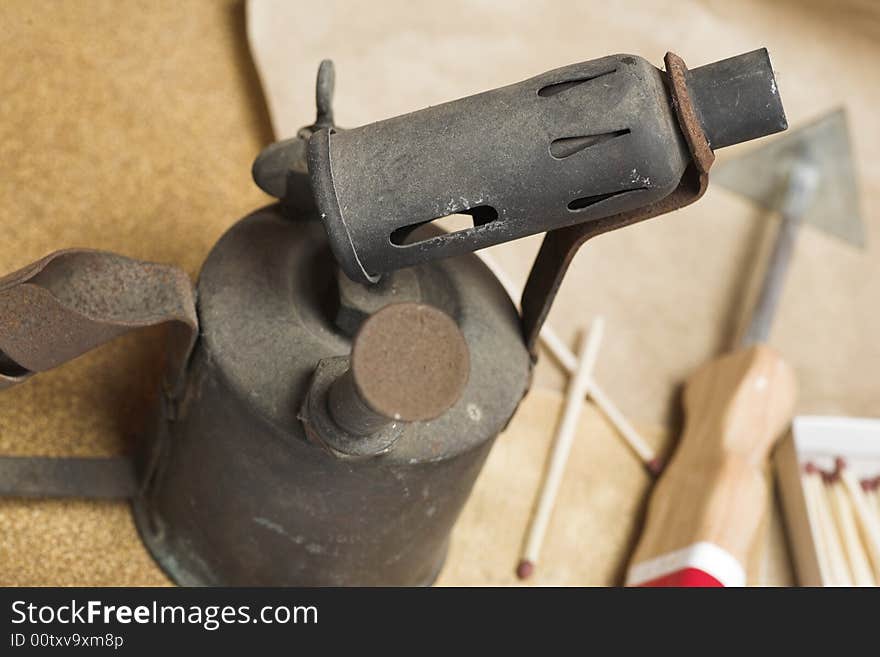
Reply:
x=64, y=305
x=560, y=246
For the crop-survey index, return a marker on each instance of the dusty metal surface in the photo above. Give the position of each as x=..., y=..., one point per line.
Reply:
x=631, y=141
x=560, y=246
x=95, y=478
x=65, y=305
x=337, y=419
x=576, y=152
x=73, y=301
x=410, y=362
x=799, y=194
x=574, y=145
x=358, y=301
x=736, y=99
x=565, y=147
x=293, y=511
x=808, y=176
x=759, y=174
x=281, y=169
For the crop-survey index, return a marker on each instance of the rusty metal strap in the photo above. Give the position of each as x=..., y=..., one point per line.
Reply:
x=94, y=478
x=75, y=300
x=560, y=246
x=65, y=305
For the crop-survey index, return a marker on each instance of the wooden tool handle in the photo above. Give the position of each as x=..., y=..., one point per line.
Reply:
x=714, y=489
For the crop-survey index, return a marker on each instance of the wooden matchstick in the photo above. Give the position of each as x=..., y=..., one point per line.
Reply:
x=866, y=521
x=843, y=575
x=845, y=522
x=617, y=419
x=840, y=574
x=577, y=389
x=868, y=492
x=875, y=493
x=828, y=567
x=876, y=488
x=632, y=438
x=871, y=486
x=569, y=361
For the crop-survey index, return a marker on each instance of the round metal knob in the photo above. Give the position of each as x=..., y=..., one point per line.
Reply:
x=410, y=362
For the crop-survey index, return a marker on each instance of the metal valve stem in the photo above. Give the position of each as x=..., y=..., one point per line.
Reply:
x=350, y=411
x=409, y=363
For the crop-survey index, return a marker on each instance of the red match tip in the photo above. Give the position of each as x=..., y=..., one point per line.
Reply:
x=525, y=569
x=867, y=485
x=655, y=466
x=839, y=463
x=810, y=468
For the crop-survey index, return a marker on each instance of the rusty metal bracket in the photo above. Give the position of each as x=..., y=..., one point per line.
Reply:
x=64, y=305
x=75, y=300
x=560, y=246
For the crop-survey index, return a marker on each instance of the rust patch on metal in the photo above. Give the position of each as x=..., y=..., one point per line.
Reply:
x=687, y=114
x=74, y=300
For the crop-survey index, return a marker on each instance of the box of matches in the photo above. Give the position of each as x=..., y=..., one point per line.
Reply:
x=828, y=472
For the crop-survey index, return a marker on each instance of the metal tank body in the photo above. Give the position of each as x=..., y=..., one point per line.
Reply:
x=239, y=494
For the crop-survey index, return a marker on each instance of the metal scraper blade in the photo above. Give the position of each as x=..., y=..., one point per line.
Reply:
x=760, y=174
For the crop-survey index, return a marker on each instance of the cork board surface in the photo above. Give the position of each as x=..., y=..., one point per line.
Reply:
x=131, y=127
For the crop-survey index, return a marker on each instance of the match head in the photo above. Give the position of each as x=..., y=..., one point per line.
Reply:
x=867, y=485
x=839, y=464
x=810, y=468
x=655, y=466
x=525, y=569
